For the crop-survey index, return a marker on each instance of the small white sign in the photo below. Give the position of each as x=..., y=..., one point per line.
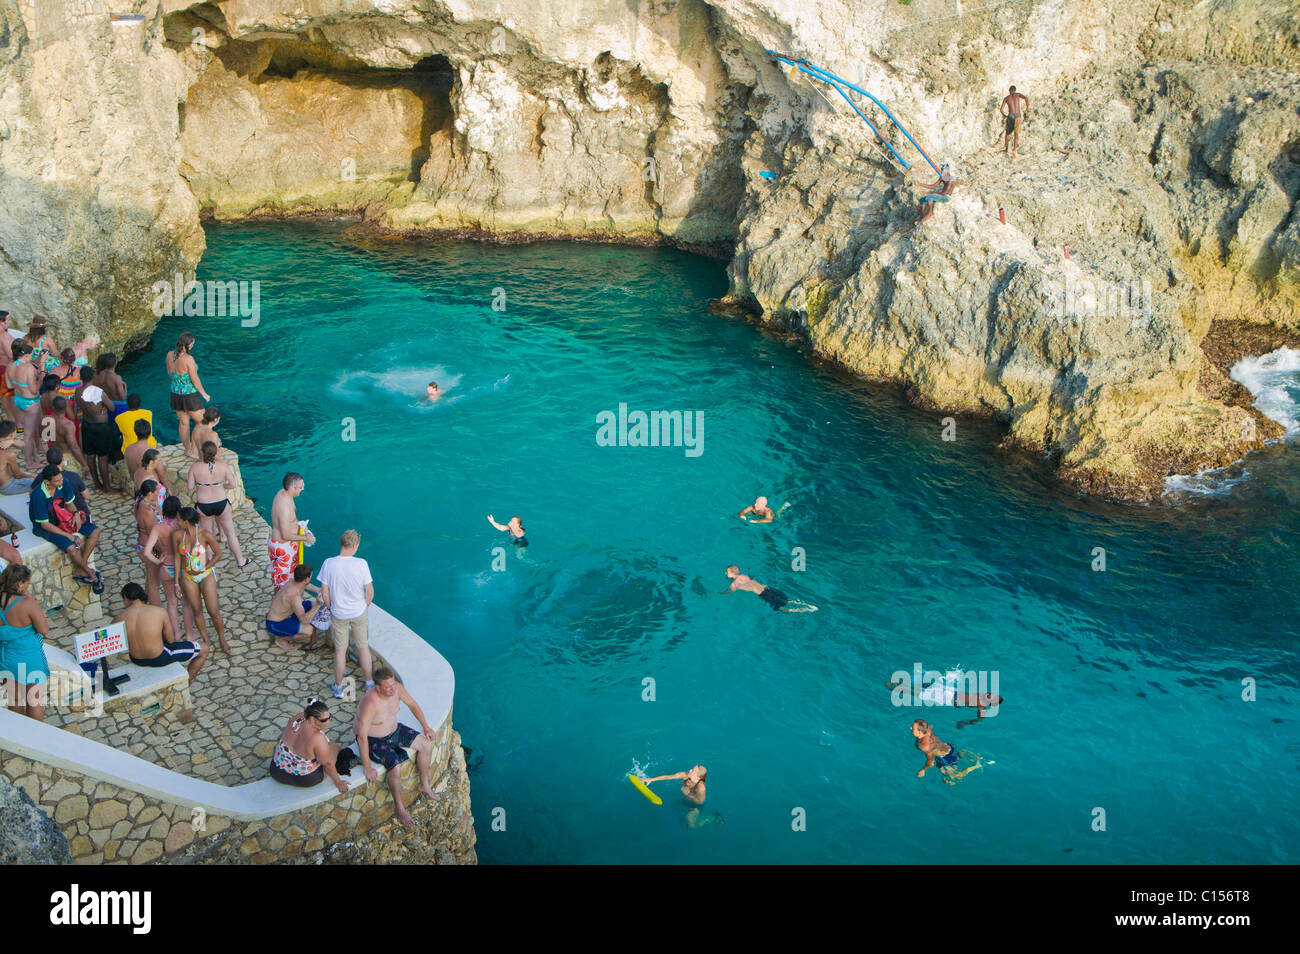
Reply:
x=98, y=643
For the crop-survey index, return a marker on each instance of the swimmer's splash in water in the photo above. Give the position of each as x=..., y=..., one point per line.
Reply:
x=769, y=595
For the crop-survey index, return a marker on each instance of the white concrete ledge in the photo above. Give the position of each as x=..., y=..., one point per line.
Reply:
x=426, y=674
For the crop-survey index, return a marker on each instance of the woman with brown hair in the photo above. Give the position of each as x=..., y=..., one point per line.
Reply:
x=151, y=468
x=197, y=553
x=206, y=431
x=188, y=396
x=148, y=514
x=158, y=551
x=209, y=478
x=23, y=627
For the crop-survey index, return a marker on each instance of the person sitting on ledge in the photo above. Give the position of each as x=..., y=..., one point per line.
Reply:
x=381, y=738
x=149, y=635
x=305, y=755
x=289, y=616
x=52, y=509
x=70, y=479
x=14, y=479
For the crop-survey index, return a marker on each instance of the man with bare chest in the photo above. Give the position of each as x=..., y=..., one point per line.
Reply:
x=769, y=595
x=381, y=738
x=285, y=535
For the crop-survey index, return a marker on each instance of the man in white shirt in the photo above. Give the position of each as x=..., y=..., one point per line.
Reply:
x=347, y=589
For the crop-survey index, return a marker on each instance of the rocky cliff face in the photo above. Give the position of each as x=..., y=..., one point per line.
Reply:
x=28, y=836
x=1162, y=148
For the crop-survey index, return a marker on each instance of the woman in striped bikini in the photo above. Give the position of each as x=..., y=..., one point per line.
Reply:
x=188, y=396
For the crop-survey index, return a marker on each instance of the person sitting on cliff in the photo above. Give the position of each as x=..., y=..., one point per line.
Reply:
x=381, y=738
x=51, y=508
x=940, y=189
x=769, y=595
x=149, y=635
x=13, y=479
x=758, y=512
x=305, y=755
x=80, y=494
x=288, y=619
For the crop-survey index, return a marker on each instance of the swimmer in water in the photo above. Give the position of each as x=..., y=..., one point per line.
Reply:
x=432, y=392
x=940, y=753
x=693, y=791
x=762, y=513
x=515, y=528
x=942, y=694
x=772, y=597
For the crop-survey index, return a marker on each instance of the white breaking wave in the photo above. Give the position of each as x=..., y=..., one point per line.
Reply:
x=1274, y=380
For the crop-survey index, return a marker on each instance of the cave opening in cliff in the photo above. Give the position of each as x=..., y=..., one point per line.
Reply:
x=289, y=124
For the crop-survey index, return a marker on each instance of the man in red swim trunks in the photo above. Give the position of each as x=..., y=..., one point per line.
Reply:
x=282, y=543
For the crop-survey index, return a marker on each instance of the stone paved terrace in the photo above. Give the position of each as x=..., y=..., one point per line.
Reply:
x=241, y=700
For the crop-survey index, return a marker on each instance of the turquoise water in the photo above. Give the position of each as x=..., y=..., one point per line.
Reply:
x=1122, y=688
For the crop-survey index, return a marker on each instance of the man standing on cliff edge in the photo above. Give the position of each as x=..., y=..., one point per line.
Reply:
x=1015, y=106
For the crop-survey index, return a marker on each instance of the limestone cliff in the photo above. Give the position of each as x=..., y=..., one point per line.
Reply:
x=1162, y=149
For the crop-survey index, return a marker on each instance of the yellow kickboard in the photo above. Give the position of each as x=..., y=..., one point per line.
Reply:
x=644, y=789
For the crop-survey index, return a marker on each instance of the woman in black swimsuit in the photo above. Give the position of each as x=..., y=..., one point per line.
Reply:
x=210, y=478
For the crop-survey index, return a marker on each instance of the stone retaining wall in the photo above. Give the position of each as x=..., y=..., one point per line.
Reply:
x=108, y=824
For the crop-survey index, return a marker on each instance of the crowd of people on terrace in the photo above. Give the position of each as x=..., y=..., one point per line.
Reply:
x=56, y=406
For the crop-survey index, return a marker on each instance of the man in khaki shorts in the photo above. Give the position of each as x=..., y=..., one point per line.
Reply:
x=347, y=589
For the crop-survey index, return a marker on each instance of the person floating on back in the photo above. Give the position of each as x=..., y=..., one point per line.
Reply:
x=1015, y=107
x=772, y=597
